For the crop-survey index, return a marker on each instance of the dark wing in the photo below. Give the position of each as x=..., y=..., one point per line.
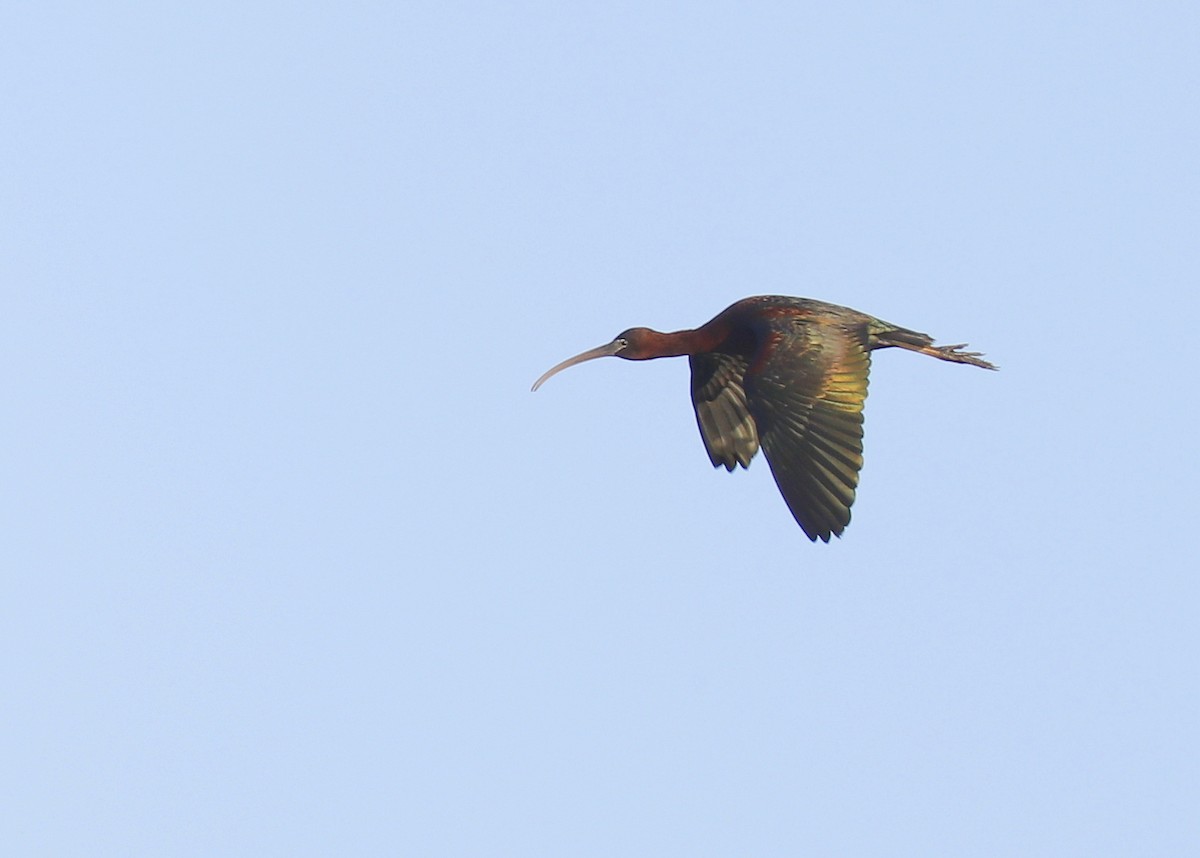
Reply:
x=725, y=423
x=806, y=391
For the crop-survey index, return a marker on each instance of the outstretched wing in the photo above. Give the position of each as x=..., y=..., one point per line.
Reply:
x=805, y=389
x=721, y=413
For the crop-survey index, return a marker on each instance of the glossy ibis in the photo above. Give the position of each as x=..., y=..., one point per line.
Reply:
x=789, y=374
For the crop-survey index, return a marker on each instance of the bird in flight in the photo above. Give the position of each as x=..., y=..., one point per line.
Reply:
x=789, y=375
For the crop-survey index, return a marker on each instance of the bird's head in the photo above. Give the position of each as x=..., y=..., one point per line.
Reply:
x=633, y=344
x=637, y=344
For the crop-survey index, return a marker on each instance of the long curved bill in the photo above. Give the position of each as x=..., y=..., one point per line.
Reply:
x=591, y=354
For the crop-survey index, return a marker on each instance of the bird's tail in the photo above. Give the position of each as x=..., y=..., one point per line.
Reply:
x=923, y=343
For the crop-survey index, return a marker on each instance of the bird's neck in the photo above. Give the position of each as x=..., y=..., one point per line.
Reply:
x=679, y=343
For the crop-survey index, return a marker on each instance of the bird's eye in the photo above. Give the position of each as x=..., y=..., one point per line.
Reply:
x=622, y=342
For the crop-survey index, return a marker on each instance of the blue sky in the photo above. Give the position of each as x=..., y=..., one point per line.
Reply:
x=295, y=564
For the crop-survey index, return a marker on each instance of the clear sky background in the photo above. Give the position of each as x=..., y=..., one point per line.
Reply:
x=295, y=564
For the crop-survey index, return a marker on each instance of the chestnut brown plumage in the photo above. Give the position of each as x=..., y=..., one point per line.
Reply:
x=789, y=375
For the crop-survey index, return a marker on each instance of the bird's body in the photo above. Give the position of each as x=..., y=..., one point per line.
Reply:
x=789, y=375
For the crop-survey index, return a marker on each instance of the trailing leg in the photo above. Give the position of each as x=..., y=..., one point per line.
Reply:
x=923, y=343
